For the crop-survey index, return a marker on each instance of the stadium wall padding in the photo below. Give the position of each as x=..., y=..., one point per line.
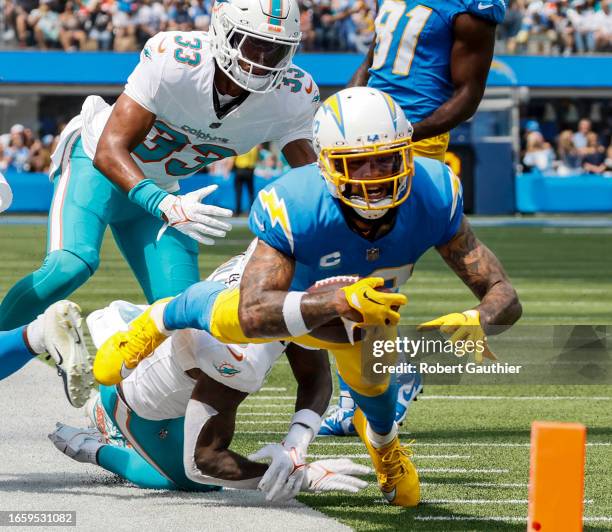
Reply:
x=332, y=70
x=33, y=192
x=577, y=193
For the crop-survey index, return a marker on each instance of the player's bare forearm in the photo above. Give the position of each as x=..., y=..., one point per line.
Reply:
x=299, y=153
x=263, y=289
x=471, y=55
x=213, y=457
x=125, y=129
x=362, y=74
x=483, y=273
x=313, y=376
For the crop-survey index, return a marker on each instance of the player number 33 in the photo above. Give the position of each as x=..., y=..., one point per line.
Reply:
x=187, y=53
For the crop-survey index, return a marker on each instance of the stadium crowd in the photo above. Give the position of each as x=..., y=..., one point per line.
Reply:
x=567, y=152
x=22, y=150
x=531, y=26
x=125, y=25
x=571, y=152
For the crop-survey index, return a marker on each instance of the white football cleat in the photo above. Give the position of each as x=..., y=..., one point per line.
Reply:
x=65, y=343
x=81, y=445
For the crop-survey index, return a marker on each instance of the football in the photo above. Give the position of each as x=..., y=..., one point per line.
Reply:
x=334, y=330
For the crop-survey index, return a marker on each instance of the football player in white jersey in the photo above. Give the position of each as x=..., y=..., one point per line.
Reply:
x=6, y=194
x=177, y=412
x=193, y=98
x=56, y=335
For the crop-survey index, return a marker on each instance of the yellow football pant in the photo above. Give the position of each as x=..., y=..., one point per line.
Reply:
x=225, y=327
x=432, y=148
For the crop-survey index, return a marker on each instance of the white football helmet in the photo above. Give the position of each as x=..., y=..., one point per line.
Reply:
x=254, y=41
x=363, y=142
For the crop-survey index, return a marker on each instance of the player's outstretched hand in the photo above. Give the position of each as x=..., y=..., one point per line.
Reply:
x=197, y=220
x=463, y=327
x=339, y=474
x=285, y=475
x=376, y=307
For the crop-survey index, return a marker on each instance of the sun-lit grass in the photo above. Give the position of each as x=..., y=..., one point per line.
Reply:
x=561, y=277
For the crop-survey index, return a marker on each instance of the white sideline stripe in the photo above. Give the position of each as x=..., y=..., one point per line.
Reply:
x=416, y=456
x=260, y=414
x=595, y=519
x=514, y=397
x=462, y=470
x=437, y=444
x=262, y=432
x=468, y=398
x=481, y=484
x=273, y=389
x=484, y=501
x=464, y=518
x=253, y=422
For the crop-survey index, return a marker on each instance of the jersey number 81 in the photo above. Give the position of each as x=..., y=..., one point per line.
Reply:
x=387, y=21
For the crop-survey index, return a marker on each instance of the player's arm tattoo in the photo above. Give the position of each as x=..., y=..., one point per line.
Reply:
x=471, y=55
x=483, y=273
x=313, y=376
x=212, y=454
x=263, y=288
x=126, y=128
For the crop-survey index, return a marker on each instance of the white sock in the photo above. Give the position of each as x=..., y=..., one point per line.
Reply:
x=380, y=440
x=35, y=333
x=346, y=401
x=157, y=315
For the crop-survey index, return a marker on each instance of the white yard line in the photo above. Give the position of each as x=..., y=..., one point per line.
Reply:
x=262, y=414
x=522, y=485
x=252, y=422
x=273, y=389
x=322, y=441
x=425, y=397
x=416, y=457
x=262, y=432
x=462, y=470
x=483, y=501
x=509, y=519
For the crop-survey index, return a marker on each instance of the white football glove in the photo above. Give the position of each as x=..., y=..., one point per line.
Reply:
x=335, y=475
x=285, y=475
x=190, y=216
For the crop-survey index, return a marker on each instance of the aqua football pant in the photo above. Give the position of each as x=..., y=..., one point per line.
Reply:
x=84, y=204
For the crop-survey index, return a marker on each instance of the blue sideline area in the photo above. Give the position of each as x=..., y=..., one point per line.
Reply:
x=534, y=192
x=577, y=193
x=33, y=192
x=332, y=70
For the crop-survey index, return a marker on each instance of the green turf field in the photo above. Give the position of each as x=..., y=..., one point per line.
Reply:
x=472, y=452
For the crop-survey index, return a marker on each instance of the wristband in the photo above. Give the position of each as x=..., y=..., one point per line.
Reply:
x=292, y=313
x=148, y=195
x=303, y=428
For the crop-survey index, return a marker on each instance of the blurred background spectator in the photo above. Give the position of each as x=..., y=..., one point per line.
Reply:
x=531, y=26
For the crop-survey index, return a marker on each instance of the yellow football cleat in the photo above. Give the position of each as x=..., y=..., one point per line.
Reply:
x=397, y=477
x=124, y=350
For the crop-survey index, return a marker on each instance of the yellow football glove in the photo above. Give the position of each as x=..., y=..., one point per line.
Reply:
x=376, y=308
x=464, y=326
